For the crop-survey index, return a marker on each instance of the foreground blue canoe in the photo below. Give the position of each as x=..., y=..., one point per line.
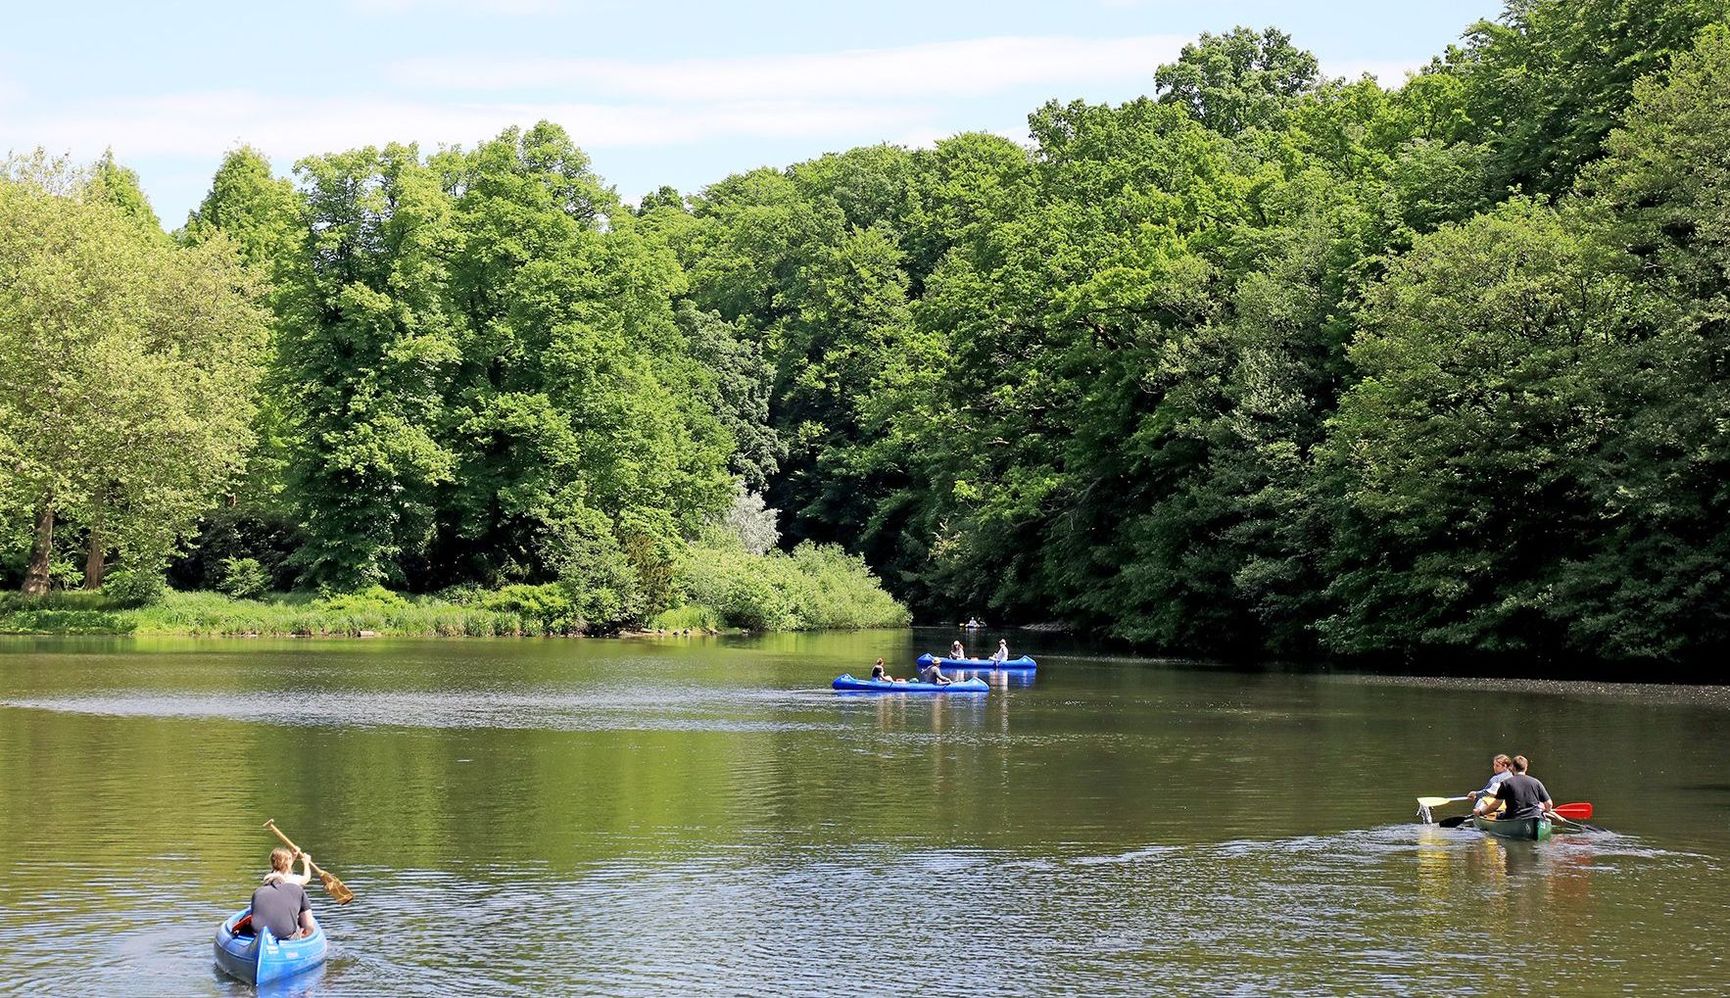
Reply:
x=260, y=958
x=1022, y=664
x=848, y=684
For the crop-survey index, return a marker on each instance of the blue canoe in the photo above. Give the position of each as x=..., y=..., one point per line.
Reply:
x=260, y=958
x=850, y=685
x=1022, y=664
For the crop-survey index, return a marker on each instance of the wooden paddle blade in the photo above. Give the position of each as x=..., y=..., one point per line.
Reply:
x=1436, y=801
x=1581, y=811
x=336, y=888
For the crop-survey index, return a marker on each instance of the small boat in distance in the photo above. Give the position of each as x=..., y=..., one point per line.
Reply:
x=973, y=624
x=260, y=958
x=1022, y=664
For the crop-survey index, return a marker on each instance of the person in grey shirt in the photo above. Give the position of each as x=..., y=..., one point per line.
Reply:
x=1524, y=795
x=280, y=904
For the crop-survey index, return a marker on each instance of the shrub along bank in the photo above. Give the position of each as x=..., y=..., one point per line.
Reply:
x=717, y=585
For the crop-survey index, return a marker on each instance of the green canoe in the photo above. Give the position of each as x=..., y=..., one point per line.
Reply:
x=1535, y=829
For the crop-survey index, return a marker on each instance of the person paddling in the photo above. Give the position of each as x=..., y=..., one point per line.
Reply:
x=1524, y=795
x=1501, y=767
x=933, y=673
x=280, y=904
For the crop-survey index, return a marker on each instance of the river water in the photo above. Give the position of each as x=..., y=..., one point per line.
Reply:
x=704, y=816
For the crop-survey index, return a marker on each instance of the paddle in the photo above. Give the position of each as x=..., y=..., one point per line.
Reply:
x=1455, y=821
x=334, y=887
x=1581, y=825
x=1575, y=812
x=1439, y=801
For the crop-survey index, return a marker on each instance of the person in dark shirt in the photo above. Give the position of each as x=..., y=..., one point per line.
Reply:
x=280, y=904
x=877, y=672
x=933, y=673
x=1524, y=795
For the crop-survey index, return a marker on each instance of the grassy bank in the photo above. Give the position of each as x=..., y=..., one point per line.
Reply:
x=717, y=588
x=289, y=614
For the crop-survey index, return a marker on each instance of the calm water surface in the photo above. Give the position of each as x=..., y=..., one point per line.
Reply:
x=703, y=816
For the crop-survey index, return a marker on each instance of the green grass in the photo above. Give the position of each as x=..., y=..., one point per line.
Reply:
x=206, y=613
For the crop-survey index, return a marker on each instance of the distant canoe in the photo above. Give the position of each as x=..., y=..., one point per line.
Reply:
x=261, y=958
x=1534, y=829
x=1022, y=664
x=847, y=684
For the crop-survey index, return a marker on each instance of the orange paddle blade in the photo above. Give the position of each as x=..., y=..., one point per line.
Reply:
x=335, y=888
x=1581, y=811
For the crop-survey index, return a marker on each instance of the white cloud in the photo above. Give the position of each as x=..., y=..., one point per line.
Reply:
x=852, y=96
x=970, y=68
x=209, y=123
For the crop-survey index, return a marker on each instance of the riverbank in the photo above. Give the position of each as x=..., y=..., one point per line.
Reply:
x=514, y=611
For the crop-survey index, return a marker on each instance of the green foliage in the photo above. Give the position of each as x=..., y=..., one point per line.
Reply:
x=1496, y=358
x=1262, y=361
x=62, y=613
x=127, y=364
x=689, y=617
x=817, y=586
x=129, y=589
x=547, y=609
x=1549, y=80
x=1239, y=80
x=243, y=578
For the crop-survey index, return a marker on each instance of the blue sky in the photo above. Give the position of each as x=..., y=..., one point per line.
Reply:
x=679, y=93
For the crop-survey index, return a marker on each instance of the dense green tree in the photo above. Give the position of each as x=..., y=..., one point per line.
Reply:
x=127, y=368
x=1240, y=80
x=1496, y=357
x=1654, y=583
x=367, y=347
x=1547, y=81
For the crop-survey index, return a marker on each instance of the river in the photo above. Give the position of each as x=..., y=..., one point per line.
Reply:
x=704, y=816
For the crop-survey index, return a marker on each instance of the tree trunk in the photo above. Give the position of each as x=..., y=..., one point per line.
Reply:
x=93, y=561
x=42, y=552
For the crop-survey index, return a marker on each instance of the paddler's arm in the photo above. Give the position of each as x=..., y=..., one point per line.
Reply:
x=304, y=877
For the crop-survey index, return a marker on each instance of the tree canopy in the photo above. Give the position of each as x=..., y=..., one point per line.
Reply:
x=1262, y=362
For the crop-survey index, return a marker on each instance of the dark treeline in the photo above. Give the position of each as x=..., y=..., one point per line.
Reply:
x=1263, y=362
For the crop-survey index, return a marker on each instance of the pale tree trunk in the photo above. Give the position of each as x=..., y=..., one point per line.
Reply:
x=93, y=561
x=42, y=552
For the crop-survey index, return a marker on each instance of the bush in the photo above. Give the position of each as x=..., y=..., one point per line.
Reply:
x=690, y=617
x=818, y=586
x=548, y=609
x=132, y=588
x=244, y=578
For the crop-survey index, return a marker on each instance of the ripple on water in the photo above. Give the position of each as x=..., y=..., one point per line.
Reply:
x=794, y=920
x=649, y=708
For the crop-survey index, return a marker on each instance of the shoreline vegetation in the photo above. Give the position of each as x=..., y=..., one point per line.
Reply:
x=814, y=588
x=1261, y=364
